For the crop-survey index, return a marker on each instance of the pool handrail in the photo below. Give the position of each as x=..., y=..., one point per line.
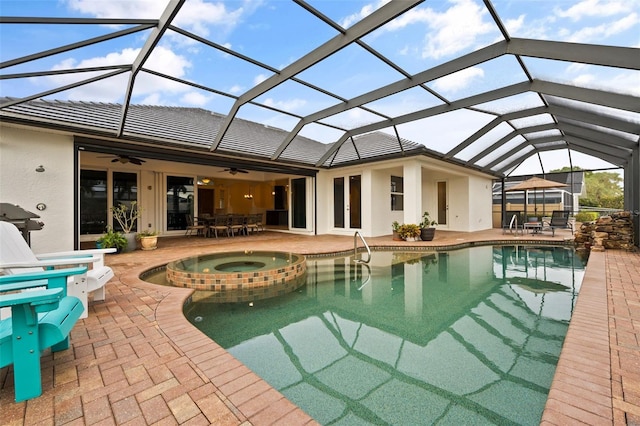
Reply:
x=355, y=248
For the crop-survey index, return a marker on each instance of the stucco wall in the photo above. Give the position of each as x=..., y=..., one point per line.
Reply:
x=21, y=151
x=480, y=203
x=468, y=196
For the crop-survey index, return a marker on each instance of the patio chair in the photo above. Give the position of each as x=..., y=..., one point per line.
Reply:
x=42, y=316
x=16, y=257
x=251, y=223
x=237, y=225
x=194, y=225
x=219, y=223
x=559, y=220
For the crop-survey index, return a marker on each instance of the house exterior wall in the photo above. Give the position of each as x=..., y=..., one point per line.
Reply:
x=480, y=203
x=469, y=196
x=21, y=151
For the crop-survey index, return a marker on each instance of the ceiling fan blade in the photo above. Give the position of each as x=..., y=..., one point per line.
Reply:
x=136, y=161
x=115, y=160
x=241, y=171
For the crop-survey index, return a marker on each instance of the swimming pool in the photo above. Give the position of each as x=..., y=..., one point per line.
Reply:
x=470, y=336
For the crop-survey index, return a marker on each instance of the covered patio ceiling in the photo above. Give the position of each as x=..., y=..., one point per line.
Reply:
x=506, y=88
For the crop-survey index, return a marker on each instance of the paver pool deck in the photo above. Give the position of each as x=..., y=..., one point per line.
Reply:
x=136, y=359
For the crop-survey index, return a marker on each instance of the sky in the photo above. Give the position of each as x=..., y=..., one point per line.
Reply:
x=274, y=34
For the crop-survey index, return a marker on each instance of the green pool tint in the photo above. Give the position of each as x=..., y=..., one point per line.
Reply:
x=470, y=336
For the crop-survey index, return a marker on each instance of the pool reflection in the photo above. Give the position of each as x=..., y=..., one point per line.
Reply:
x=462, y=337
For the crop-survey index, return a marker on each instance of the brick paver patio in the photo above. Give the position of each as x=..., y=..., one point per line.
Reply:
x=137, y=360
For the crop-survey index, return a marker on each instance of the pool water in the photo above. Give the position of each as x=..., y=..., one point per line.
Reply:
x=469, y=336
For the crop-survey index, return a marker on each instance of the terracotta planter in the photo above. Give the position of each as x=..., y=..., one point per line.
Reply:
x=396, y=236
x=149, y=243
x=427, y=234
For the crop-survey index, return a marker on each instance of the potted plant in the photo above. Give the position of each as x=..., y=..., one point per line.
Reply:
x=148, y=239
x=409, y=231
x=395, y=226
x=427, y=230
x=127, y=216
x=111, y=239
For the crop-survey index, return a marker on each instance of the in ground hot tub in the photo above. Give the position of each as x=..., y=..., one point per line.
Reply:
x=240, y=276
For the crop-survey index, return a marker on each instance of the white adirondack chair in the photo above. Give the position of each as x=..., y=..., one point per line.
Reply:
x=16, y=257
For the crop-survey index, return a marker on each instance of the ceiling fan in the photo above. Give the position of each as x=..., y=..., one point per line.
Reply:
x=124, y=159
x=234, y=170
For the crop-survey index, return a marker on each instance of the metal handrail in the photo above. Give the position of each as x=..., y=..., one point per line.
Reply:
x=355, y=248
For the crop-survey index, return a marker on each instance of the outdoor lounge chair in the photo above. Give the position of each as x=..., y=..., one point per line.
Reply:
x=16, y=257
x=559, y=220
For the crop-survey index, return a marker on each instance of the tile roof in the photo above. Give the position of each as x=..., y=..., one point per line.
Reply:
x=197, y=127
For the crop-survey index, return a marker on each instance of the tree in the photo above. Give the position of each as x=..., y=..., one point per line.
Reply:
x=603, y=189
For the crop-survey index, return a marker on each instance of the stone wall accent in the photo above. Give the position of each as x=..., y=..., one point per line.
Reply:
x=608, y=232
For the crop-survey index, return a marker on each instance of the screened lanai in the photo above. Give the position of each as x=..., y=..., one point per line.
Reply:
x=499, y=87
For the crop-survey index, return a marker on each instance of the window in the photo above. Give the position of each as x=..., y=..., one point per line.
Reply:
x=93, y=202
x=125, y=191
x=397, y=193
x=299, y=202
x=179, y=201
x=338, y=202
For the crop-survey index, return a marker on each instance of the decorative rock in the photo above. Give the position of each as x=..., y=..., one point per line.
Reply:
x=603, y=220
x=610, y=232
x=607, y=228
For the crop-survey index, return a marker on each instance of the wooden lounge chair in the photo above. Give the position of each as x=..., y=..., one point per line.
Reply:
x=16, y=257
x=40, y=319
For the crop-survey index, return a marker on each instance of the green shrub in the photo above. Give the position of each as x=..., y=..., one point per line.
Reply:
x=587, y=216
x=112, y=239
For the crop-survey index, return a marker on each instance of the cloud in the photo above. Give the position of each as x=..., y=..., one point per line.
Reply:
x=289, y=105
x=365, y=11
x=458, y=80
x=118, y=9
x=162, y=59
x=194, y=98
x=597, y=8
x=195, y=15
x=236, y=89
x=597, y=33
x=152, y=99
x=456, y=29
x=514, y=25
x=259, y=79
x=447, y=33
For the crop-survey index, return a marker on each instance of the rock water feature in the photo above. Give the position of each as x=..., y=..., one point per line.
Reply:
x=608, y=232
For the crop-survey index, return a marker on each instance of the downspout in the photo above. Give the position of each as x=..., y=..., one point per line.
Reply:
x=76, y=196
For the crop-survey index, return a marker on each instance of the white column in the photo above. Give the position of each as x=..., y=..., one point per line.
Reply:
x=412, y=175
